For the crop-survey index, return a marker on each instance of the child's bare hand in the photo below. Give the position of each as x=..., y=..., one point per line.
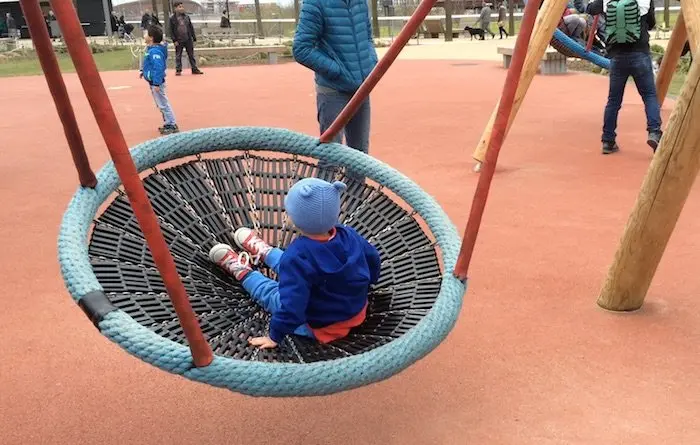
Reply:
x=156, y=89
x=263, y=342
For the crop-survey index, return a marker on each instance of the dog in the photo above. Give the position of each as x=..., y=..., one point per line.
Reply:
x=475, y=32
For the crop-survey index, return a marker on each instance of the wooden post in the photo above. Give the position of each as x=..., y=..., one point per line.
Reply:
x=296, y=12
x=671, y=58
x=667, y=13
x=664, y=191
x=448, y=20
x=547, y=21
x=691, y=16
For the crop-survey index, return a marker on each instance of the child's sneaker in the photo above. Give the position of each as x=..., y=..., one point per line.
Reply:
x=252, y=243
x=170, y=129
x=226, y=258
x=610, y=147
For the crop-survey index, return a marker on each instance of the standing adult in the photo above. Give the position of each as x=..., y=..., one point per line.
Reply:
x=182, y=33
x=502, y=20
x=148, y=19
x=11, y=26
x=341, y=57
x=485, y=20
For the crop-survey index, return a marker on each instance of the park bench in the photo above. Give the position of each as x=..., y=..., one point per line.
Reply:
x=226, y=34
x=433, y=29
x=272, y=51
x=553, y=62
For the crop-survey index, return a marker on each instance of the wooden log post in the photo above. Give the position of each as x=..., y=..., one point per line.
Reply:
x=671, y=58
x=547, y=20
x=660, y=202
x=691, y=17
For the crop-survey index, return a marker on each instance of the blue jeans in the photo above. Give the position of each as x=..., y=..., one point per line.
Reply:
x=622, y=66
x=329, y=104
x=163, y=104
x=265, y=291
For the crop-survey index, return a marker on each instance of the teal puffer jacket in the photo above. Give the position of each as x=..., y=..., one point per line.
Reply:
x=334, y=39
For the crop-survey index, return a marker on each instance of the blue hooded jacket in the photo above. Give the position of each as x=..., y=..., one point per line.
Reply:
x=334, y=39
x=155, y=64
x=322, y=283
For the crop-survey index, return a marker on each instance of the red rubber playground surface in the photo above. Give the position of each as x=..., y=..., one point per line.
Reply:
x=532, y=360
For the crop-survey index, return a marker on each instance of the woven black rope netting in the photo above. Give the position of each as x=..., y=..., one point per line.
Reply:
x=201, y=202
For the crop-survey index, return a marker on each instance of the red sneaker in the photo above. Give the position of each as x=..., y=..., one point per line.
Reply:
x=252, y=243
x=232, y=262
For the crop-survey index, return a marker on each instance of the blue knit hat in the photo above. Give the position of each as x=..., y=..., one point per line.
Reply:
x=314, y=205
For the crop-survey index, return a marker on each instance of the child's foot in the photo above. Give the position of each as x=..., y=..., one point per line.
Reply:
x=226, y=258
x=252, y=243
x=610, y=147
x=653, y=139
x=170, y=129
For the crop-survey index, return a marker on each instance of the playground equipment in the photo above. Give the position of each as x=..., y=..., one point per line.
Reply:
x=670, y=176
x=667, y=183
x=144, y=279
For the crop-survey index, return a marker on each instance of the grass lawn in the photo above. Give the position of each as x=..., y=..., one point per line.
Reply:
x=108, y=61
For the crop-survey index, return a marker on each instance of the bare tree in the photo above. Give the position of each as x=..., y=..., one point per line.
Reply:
x=258, y=17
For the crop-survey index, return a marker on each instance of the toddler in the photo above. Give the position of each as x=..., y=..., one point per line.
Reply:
x=324, y=275
x=154, y=65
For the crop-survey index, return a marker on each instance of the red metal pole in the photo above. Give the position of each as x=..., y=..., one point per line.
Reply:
x=591, y=34
x=371, y=81
x=111, y=132
x=52, y=72
x=499, y=129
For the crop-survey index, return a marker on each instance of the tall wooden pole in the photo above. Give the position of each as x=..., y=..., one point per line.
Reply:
x=671, y=57
x=547, y=21
x=664, y=192
x=667, y=13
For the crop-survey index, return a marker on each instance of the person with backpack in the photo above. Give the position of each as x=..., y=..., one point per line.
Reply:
x=627, y=25
x=148, y=19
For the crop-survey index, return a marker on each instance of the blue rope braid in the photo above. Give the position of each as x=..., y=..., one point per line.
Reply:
x=259, y=378
x=580, y=50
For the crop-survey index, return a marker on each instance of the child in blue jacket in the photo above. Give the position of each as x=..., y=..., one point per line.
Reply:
x=334, y=39
x=154, y=66
x=324, y=275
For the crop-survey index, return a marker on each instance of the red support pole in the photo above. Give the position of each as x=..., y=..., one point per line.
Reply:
x=379, y=70
x=52, y=72
x=591, y=34
x=111, y=132
x=499, y=129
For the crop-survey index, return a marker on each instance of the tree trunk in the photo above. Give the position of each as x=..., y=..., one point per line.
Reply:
x=166, y=18
x=258, y=17
x=448, y=20
x=667, y=13
x=511, y=17
x=375, y=19
x=296, y=11
x=154, y=7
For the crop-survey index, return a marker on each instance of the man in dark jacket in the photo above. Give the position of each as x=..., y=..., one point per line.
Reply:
x=148, y=19
x=627, y=45
x=182, y=33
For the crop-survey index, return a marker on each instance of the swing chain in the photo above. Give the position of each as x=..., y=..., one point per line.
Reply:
x=251, y=191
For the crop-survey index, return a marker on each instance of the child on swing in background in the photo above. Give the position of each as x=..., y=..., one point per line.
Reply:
x=324, y=275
